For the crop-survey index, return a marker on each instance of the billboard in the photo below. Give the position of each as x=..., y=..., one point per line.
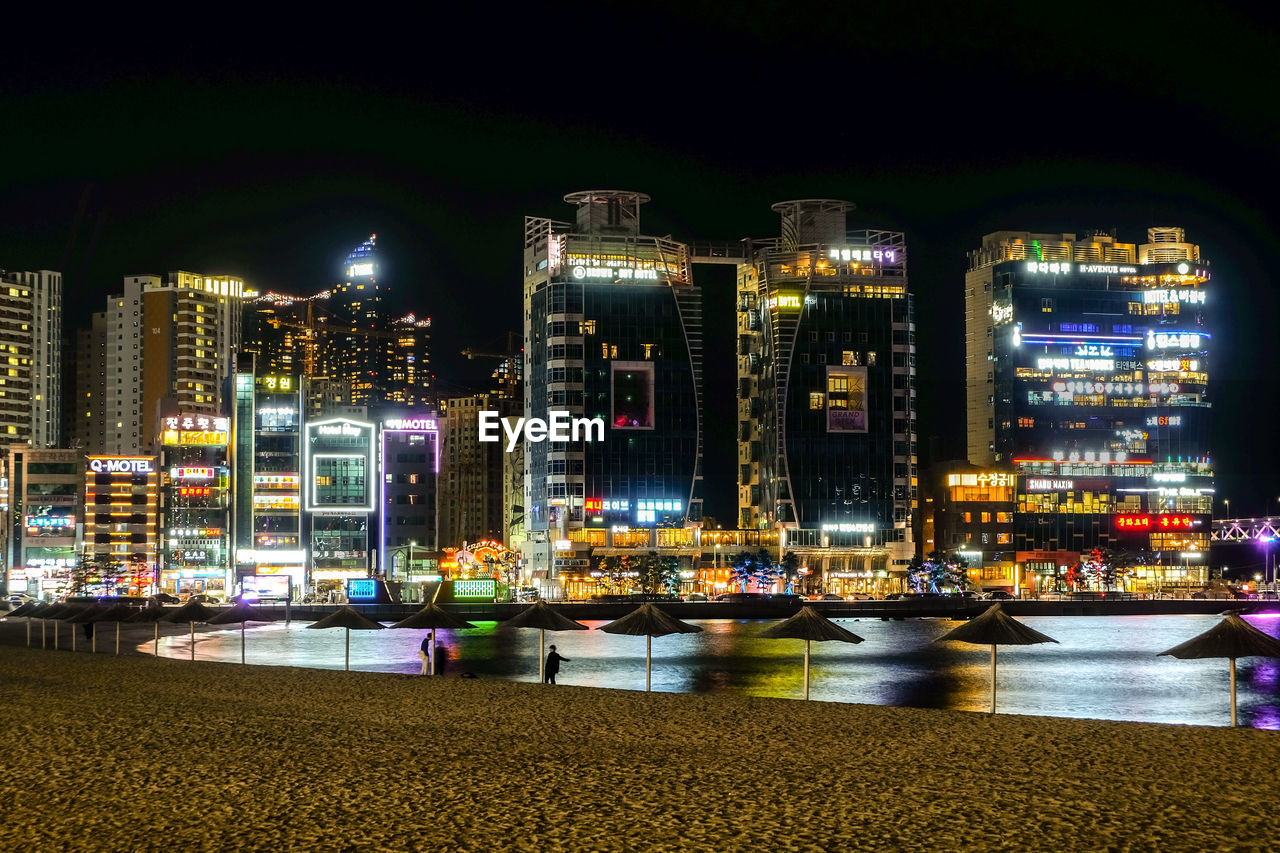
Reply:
x=846, y=399
x=632, y=386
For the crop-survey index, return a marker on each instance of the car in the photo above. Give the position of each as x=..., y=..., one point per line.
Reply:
x=17, y=599
x=830, y=596
x=1052, y=596
x=1000, y=595
x=895, y=596
x=693, y=596
x=205, y=598
x=165, y=598
x=859, y=596
x=741, y=597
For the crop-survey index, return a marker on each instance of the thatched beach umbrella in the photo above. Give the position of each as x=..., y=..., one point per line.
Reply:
x=809, y=625
x=66, y=614
x=87, y=616
x=540, y=615
x=433, y=616
x=152, y=613
x=651, y=622
x=995, y=628
x=241, y=613
x=193, y=611
x=348, y=617
x=116, y=613
x=25, y=609
x=1231, y=638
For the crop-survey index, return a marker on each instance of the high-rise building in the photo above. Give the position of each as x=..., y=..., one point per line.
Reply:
x=31, y=347
x=85, y=411
x=168, y=339
x=339, y=498
x=613, y=330
x=1087, y=366
x=409, y=458
x=826, y=396
x=470, y=491
x=121, y=513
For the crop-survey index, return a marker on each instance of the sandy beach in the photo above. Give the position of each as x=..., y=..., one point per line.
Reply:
x=136, y=753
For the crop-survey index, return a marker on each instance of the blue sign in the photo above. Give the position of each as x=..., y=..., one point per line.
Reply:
x=362, y=588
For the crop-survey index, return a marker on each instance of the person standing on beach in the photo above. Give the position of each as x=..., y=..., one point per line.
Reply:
x=424, y=652
x=552, y=667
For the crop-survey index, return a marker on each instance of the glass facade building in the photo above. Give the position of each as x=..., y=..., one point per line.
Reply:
x=1087, y=372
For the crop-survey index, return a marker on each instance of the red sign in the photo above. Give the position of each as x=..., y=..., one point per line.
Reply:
x=194, y=492
x=593, y=504
x=1154, y=522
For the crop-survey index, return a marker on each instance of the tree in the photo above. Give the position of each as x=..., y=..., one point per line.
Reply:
x=767, y=571
x=790, y=567
x=743, y=570
x=96, y=575
x=937, y=572
x=614, y=574
x=659, y=575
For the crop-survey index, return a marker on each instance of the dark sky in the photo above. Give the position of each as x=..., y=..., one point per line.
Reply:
x=268, y=148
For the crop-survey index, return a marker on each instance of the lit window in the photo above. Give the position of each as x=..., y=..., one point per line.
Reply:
x=816, y=399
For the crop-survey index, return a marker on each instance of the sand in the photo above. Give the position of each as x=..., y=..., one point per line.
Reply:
x=137, y=753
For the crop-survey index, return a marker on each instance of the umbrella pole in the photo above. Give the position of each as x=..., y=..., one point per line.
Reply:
x=242, y=644
x=1233, y=692
x=993, y=678
x=806, y=669
x=117, y=638
x=55, y=633
x=28, y=633
x=193, y=640
x=42, y=624
x=156, y=650
x=542, y=658
x=73, y=638
x=648, y=658
x=93, y=642
x=348, y=663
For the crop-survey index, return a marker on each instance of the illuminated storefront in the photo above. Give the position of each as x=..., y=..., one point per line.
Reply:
x=410, y=462
x=122, y=496
x=195, y=504
x=42, y=518
x=339, y=499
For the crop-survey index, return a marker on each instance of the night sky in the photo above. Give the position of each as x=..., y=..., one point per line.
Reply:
x=268, y=149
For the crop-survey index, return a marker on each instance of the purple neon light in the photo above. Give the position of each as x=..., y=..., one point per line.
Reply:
x=383, y=493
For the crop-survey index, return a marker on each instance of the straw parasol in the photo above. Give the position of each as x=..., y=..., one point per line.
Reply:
x=809, y=625
x=152, y=613
x=540, y=615
x=87, y=616
x=1231, y=638
x=241, y=613
x=348, y=617
x=66, y=614
x=193, y=611
x=651, y=622
x=995, y=628
x=25, y=609
x=116, y=613
x=433, y=616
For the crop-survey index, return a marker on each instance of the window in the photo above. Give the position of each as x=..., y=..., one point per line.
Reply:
x=816, y=400
x=968, y=518
x=986, y=518
x=1004, y=518
x=1046, y=306
x=1003, y=538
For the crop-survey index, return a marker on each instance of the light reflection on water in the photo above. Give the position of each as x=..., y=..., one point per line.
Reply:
x=1105, y=667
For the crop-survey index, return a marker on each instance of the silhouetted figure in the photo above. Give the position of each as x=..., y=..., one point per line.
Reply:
x=424, y=652
x=442, y=658
x=552, y=667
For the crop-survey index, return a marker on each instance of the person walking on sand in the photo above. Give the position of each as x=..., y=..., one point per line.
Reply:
x=552, y=667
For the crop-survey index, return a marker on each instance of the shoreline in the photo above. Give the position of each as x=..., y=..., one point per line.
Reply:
x=220, y=756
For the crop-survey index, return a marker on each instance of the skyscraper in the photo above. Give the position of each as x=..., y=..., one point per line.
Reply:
x=826, y=396
x=613, y=330
x=31, y=346
x=171, y=338
x=1087, y=366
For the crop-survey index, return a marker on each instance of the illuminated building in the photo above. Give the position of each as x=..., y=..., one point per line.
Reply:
x=339, y=499
x=1087, y=367
x=31, y=349
x=972, y=511
x=85, y=408
x=41, y=518
x=471, y=486
x=826, y=397
x=195, y=505
x=409, y=453
x=266, y=459
x=168, y=339
x=120, y=516
x=613, y=330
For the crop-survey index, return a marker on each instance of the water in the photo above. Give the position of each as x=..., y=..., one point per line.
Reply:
x=1105, y=667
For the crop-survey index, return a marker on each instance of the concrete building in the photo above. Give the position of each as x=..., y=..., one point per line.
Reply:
x=1087, y=369
x=31, y=348
x=41, y=519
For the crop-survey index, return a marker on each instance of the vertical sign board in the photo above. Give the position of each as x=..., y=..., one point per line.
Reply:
x=846, y=399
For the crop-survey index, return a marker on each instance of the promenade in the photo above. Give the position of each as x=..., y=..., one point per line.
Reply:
x=138, y=753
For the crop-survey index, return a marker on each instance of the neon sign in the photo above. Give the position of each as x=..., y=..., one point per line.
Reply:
x=486, y=588
x=1164, y=420
x=121, y=465
x=1173, y=340
x=1167, y=297
x=850, y=527
x=581, y=272
x=276, y=383
x=1154, y=522
x=994, y=479
x=356, y=270
x=425, y=424
x=50, y=521
x=1103, y=364
x=362, y=588
x=1037, y=484
x=192, y=473
x=195, y=491
x=784, y=302
x=877, y=256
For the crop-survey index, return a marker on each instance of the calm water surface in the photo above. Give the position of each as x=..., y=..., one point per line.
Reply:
x=1105, y=667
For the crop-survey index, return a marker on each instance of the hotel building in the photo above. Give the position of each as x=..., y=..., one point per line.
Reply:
x=826, y=396
x=41, y=518
x=613, y=330
x=1087, y=367
x=31, y=350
